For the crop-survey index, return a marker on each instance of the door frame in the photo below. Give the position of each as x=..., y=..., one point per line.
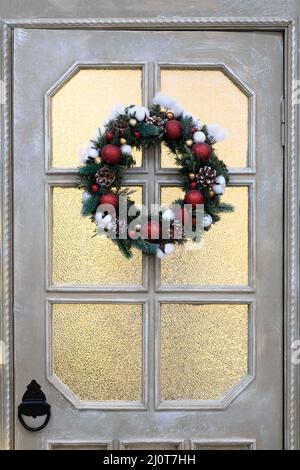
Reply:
x=290, y=120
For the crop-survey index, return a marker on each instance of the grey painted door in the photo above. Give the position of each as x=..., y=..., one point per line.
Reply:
x=186, y=354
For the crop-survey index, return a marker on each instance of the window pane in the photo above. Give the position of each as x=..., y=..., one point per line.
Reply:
x=97, y=350
x=82, y=105
x=79, y=257
x=212, y=97
x=204, y=350
x=223, y=257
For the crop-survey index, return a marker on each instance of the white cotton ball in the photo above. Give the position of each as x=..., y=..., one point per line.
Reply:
x=160, y=254
x=177, y=110
x=93, y=153
x=131, y=111
x=199, y=137
x=168, y=214
x=109, y=226
x=169, y=248
x=164, y=100
x=216, y=132
x=86, y=196
x=126, y=149
x=141, y=112
x=98, y=217
x=207, y=220
x=221, y=180
x=218, y=189
x=107, y=220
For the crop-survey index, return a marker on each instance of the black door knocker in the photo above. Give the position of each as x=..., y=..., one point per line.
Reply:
x=34, y=404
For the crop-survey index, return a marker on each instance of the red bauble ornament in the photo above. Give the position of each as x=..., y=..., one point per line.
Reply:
x=109, y=135
x=110, y=198
x=111, y=154
x=183, y=215
x=202, y=151
x=151, y=230
x=95, y=188
x=137, y=134
x=193, y=130
x=173, y=129
x=193, y=185
x=194, y=197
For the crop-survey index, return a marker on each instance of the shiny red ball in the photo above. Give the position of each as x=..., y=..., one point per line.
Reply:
x=194, y=197
x=94, y=188
x=183, y=215
x=193, y=130
x=110, y=198
x=137, y=134
x=111, y=154
x=173, y=129
x=109, y=135
x=202, y=151
x=151, y=230
x=193, y=185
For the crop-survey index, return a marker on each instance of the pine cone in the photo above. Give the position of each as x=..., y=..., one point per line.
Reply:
x=105, y=177
x=156, y=121
x=206, y=176
x=120, y=126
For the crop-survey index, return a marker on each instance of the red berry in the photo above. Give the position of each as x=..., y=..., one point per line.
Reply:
x=193, y=185
x=132, y=234
x=137, y=134
x=95, y=188
x=109, y=136
x=193, y=130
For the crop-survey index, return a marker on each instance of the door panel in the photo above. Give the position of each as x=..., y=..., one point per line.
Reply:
x=143, y=354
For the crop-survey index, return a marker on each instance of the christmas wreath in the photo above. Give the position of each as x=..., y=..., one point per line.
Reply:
x=204, y=177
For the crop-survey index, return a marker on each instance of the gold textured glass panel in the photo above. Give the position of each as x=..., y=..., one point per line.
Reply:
x=204, y=350
x=213, y=98
x=97, y=350
x=79, y=257
x=82, y=105
x=222, y=259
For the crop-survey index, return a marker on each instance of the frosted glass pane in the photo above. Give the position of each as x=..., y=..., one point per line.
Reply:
x=79, y=257
x=82, y=105
x=97, y=350
x=204, y=350
x=223, y=257
x=212, y=97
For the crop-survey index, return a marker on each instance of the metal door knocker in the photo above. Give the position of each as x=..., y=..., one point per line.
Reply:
x=34, y=404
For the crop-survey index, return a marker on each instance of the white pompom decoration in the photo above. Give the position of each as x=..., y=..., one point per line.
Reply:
x=104, y=222
x=98, y=217
x=164, y=100
x=169, y=248
x=160, y=254
x=177, y=110
x=168, y=214
x=218, y=189
x=199, y=137
x=217, y=132
x=86, y=196
x=139, y=112
x=207, y=220
x=126, y=149
x=221, y=180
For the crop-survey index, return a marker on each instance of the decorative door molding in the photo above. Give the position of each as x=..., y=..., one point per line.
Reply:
x=288, y=26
